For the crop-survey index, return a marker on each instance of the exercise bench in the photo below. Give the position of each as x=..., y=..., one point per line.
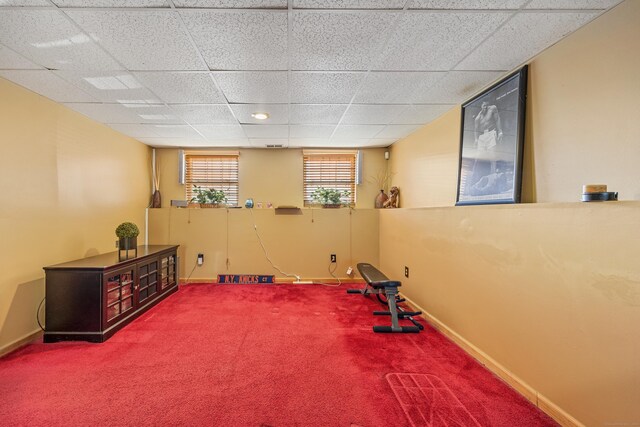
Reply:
x=378, y=284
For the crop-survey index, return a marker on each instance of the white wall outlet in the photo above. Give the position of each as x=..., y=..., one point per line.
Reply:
x=349, y=271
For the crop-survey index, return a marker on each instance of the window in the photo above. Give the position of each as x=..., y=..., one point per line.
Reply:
x=219, y=171
x=335, y=170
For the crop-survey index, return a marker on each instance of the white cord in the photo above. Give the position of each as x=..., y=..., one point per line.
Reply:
x=275, y=267
x=332, y=285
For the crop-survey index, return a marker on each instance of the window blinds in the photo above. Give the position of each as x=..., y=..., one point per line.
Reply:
x=329, y=170
x=212, y=171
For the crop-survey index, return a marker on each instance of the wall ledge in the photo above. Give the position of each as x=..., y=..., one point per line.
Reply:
x=541, y=205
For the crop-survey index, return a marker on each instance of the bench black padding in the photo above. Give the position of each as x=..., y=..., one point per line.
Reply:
x=377, y=283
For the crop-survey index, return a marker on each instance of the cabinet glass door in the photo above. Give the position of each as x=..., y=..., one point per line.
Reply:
x=167, y=271
x=119, y=288
x=147, y=280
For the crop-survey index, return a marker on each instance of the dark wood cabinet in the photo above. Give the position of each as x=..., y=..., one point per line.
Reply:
x=91, y=298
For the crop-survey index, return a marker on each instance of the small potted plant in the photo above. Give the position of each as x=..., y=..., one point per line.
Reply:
x=127, y=232
x=329, y=197
x=208, y=197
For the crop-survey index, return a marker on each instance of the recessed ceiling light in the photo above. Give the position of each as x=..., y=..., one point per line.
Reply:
x=260, y=116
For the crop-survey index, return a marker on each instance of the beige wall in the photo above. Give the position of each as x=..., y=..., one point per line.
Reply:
x=66, y=183
x=299, y=243
x=271, y=175
x=548, y=291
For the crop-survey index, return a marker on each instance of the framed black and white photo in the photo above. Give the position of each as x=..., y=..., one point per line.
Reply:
x=491, y=143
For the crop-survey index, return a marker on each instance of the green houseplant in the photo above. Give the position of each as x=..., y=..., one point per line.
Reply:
x=329, y=197
x=208, y=197
x=127, y=232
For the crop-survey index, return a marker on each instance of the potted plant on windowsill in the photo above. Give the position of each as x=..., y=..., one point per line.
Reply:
x=127, y=232
x=208, y=197
x=329, y=197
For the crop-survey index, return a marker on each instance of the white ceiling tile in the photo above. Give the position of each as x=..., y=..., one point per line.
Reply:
x=309, y=142
x=522, y=37
x=182, y=87
x=204, y=114
x=141, y=39
x=263, y=143
x=48, y=38
x=117, y=113
x=436, y=41
x=175, y=131
x=467, y=4
x=233, y=4
x=316, y=113
x=109, y=86
x=456, y=87
x=253, y=86
x=24, y=3
x=266, y=131
x=381, y=142
x=356, y=142
x=215, y=132
x=357, y=131
x=175, y=142
x=10, y=60
x=421, y=114
x=47, y=84
x=278, y=113
x=240, y=40
x=349, y=4
x=394, y=87
x=572, y=4
x=324, y=88
x=136, y=130
x=358, y=114
x=238, y=142
x=397, y=131
x=337, y=41
x=111, y=3
x=311, y=131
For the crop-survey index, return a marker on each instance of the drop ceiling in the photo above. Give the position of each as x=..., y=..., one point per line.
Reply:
x=330, y=73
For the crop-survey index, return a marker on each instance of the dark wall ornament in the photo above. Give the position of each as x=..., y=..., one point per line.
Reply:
x=492, y=142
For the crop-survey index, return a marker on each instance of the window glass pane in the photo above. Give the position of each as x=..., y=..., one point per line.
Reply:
x=332, y=171
x=217, y=171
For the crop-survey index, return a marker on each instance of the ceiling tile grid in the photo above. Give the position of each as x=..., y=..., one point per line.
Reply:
x=523, y=37
x=48, y=38
x=254, y=86
x=182, y=87
x=330, y=73
x=46, y=83
x=337, y=41
x=141, y=39
x=239, y=40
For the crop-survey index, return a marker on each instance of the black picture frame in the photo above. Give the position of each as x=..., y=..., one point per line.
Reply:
x=492, y=142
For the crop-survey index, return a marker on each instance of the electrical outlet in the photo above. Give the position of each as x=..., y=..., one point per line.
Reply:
x=349, y=271
x=333, y=258
x=200, y=259
x=406, y=271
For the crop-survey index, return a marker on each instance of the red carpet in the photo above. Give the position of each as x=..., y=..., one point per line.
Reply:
x=257, y=355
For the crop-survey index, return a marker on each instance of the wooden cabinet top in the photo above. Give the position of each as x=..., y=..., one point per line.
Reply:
x=110, y=260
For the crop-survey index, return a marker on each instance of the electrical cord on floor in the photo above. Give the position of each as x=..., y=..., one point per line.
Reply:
x=38, y=313
x=192, y=270
x=331, y=271
x=275, y=267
